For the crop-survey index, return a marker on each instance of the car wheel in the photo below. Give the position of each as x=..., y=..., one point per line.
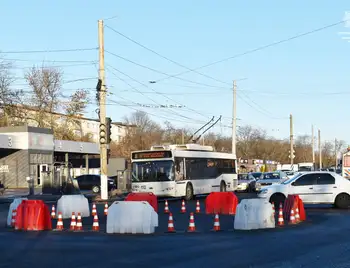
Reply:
x=277, y=199
x=189, y=192
x=95, y=189
x=222, y=186
x=342, y=201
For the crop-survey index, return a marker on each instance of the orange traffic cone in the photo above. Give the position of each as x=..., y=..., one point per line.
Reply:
x=280, y=216
x=166, y=208
x=292, y=217
x=191, y=225
x=95, y=225
x=198, y=207
x=73, y=222
x=171, y=227
x=216, y=223
x=106, y=209
x=59, y=226
x=53, y=212
x=183, y=208
x=297, y=215
x=93, y=211
x=79, y=226
x=13, y=219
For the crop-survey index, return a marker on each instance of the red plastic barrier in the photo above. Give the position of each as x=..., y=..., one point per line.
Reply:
x=149, y=197
x=221, y=202
x=33, y=215
x=293, y=201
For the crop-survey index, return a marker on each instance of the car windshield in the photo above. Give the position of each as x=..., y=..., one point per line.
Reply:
x=242, y=176
x=270, y=176
x=256, y=175
x=292, y=179
x=304, y=168
x=152, y=171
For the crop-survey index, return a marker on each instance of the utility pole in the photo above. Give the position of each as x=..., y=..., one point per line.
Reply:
x=234, y=119
x=335, y=153
x=319, y=148
x=102, y=113
x=313, y=146
x=183, y=136
x=291, y=140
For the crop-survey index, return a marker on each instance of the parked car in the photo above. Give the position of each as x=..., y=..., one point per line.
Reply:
x=256, y=175
x=269, y=178
x=92, y=182
x=246, y=182
x=315, y=187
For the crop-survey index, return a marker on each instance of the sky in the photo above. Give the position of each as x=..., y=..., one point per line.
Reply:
x=307, y=76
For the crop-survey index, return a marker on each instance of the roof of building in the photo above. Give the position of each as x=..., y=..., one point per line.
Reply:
x=80, y=116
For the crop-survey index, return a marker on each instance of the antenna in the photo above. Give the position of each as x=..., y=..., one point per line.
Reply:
x=190, y=139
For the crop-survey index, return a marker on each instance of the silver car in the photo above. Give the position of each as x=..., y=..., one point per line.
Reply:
x=246, y=182
x=269, y=178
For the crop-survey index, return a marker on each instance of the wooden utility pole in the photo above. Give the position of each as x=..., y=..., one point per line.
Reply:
x=313, y=146
x=234, y=118
x=102, y=113
x=319, y=147
x=291, y=155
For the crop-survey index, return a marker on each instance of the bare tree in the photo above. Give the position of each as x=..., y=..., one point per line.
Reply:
x=72, y=124
x=9, y=97
x=46, y=86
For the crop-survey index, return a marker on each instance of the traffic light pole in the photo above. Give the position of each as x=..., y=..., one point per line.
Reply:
x=102, y=114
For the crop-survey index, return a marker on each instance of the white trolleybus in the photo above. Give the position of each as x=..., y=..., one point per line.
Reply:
x=183, y=171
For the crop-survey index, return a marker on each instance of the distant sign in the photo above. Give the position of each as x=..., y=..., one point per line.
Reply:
x=4, y=168
x=150, y=155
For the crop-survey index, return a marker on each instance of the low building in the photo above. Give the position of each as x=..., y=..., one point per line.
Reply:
x=29, y=152
x=80, y=125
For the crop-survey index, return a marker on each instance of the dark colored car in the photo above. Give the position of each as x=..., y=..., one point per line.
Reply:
x=92, y=182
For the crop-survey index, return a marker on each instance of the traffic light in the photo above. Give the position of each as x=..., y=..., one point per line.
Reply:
x=103, y=132
x=109, y=129
x=293, y=154
x=98, y=89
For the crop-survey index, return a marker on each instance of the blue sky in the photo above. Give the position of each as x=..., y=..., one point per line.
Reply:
x=307, y=77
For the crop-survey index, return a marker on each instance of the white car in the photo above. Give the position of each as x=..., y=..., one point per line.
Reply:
x=315, y=187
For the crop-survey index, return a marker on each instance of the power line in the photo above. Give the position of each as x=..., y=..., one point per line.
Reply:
x=60, y=61
x=54, y=66
x=47, y=51
x=257, y=49
x=164, y=57
x=157, y=71
x=264, y=112
x=138, y=90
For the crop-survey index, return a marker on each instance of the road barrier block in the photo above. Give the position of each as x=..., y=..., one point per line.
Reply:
x=76, y=203
x=14, y=205
x=221, y=203
x=33, y=215
x=131, y=217
x=293, y=201
x=149, y=197
x=254, y=214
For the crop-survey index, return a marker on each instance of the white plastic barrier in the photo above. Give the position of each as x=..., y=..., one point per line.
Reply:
x=135, y=217
x=254, y=214
x=73, y=203
x=14, y=205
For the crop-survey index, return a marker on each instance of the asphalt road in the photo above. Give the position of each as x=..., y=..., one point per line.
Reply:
x=322, y=241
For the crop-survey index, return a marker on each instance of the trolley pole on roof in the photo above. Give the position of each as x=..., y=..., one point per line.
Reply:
x=234, y=118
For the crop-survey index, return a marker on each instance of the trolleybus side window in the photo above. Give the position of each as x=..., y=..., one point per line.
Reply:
x=179, y=169
x=200, y=168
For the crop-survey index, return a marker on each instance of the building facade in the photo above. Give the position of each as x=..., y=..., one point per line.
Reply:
x=80, y=125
